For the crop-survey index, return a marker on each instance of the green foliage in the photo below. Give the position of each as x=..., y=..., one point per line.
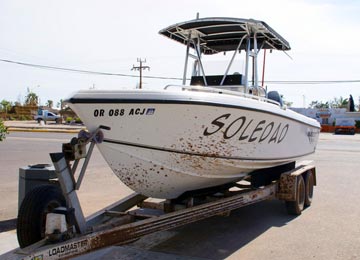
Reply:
x=3, y=130
x=70, y=119
x=60, y=104
x=340, y=102
x=50, y=103
x=318, y=104
x=24, y=117
x=5, y=105
x=31, y=98
x=335, y=103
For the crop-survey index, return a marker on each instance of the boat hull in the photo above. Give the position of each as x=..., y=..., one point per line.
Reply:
x=165, y=144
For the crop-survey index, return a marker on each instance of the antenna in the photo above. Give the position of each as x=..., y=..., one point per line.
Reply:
x=140, y=69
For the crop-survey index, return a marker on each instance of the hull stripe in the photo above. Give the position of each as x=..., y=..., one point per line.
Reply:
x=200, y=154
x=179, y=102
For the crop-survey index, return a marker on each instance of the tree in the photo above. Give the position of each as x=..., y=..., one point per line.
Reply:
x=31, y=98
x=50, y=103
x=340, y=102
x=60, y=104
x=5, y=105
x=351, y=104
x=3, y=130
x=318, y=104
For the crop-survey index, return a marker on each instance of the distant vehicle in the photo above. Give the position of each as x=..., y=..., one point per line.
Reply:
x=345, y=126
x=45, y=115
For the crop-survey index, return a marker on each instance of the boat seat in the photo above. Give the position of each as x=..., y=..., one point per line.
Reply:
x=215, y=80
x=274, y=95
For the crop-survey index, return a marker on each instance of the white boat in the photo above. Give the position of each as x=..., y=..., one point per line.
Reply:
x=217, y=130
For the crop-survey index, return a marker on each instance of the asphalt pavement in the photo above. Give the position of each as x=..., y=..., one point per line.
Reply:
x=329, y=229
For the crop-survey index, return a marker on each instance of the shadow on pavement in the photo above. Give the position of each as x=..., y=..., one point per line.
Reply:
x=219, y=237
x=6, y=225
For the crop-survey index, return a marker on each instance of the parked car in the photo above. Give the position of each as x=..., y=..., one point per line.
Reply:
x=345, y=126
x=45, y=115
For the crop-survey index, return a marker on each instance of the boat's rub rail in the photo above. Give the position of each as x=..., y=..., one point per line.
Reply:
x=224, y=91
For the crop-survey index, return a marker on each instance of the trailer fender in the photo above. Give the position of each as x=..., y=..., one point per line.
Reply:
x=288, y=182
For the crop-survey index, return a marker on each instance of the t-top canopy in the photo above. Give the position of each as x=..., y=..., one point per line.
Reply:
x=224, y=34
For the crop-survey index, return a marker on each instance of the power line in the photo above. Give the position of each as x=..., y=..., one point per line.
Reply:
x=38, y=66
x=312, y=82
x=289, y=82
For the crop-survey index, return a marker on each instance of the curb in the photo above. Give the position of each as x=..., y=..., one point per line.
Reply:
x=46, y=130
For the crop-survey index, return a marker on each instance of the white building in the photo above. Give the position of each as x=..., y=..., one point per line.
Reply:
x=327, y=116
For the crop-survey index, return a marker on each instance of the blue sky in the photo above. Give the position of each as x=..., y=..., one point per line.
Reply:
x=110, y=35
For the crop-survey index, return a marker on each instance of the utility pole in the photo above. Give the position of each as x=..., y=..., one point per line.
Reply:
x=140, y=69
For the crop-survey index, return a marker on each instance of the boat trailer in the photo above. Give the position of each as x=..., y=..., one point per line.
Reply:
x=66, y=233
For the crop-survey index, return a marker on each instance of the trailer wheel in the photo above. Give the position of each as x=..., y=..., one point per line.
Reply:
x=32, y=213
x=39, y=120
x=295, y=207
x=309, y=188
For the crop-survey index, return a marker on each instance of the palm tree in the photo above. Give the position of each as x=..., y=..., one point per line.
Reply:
x=340, y=102
x=50, y=103
x=318, y=104
x=31, y=98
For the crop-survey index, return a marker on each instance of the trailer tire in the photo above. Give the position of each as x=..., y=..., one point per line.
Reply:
x=309, y=188
x=295, y=207
x=39, y=120
x=32, y=213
